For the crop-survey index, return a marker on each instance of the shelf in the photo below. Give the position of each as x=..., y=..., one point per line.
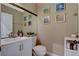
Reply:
x=71, y=50
x=71, y=38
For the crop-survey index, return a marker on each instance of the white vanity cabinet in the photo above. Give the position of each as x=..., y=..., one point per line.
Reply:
x=20, y=48
x=26, y=48
x=12, y=49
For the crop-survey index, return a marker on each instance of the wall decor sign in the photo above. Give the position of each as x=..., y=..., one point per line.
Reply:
x=46, y=10
x=46, y=19
x=60, y=6
x=60, y=17
x=25, y=18
x=29, y=23
x=29, y=17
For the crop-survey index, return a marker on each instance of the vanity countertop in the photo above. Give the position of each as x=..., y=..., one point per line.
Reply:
x=71, y=38
x=11, y=40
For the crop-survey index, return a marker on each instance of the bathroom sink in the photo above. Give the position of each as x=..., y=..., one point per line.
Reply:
x=24, y=37
x=21, y=38
x=11, y=40
x=7, y=40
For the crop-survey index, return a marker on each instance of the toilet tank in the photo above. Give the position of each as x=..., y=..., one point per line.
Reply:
x=33, y=40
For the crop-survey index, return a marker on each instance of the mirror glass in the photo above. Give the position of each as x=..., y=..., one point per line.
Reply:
x=21, y=21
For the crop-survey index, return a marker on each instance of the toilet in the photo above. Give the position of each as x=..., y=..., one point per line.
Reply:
x=39, y=50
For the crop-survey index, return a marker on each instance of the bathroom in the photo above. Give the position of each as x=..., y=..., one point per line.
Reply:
x=50, y=33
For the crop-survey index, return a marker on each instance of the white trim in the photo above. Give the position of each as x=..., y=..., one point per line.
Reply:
x=51, y=54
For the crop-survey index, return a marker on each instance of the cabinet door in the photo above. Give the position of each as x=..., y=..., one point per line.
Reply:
x=27, y=48
x=12, y=49
x=72, y=53
x=4, y=50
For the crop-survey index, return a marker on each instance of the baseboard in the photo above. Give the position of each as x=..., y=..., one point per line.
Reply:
x=52, y=54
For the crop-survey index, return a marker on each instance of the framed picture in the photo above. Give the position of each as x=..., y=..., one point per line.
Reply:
x=25, y=18
x=25, y=24
x=29, y=17
x=60, y=6
x=29, y=23
x=46, y=19
x=60, y=17
x=46, y=10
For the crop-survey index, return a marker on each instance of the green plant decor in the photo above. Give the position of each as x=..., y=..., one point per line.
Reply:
x=30, y=33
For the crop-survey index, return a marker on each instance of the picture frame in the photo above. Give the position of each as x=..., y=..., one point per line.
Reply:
x=46, y=19
x=46, y=10
x=29, y=17
x=60, y=17
x=25, y=18
x=29, y=23
x=60, y=6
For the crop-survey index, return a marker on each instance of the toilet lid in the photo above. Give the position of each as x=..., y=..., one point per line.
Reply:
x=39, y=48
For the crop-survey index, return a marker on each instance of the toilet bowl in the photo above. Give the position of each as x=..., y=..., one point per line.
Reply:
x=40, y=50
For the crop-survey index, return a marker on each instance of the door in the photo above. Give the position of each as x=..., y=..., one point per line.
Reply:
x=13, y=49
x=6, y=24
x=27, y=48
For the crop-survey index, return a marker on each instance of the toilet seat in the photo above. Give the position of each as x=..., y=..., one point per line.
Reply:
x=40, y=50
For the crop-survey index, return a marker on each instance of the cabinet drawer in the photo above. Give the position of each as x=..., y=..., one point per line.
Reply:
x=71, y=53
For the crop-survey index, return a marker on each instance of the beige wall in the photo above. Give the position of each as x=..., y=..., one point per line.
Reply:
x=52, y=35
